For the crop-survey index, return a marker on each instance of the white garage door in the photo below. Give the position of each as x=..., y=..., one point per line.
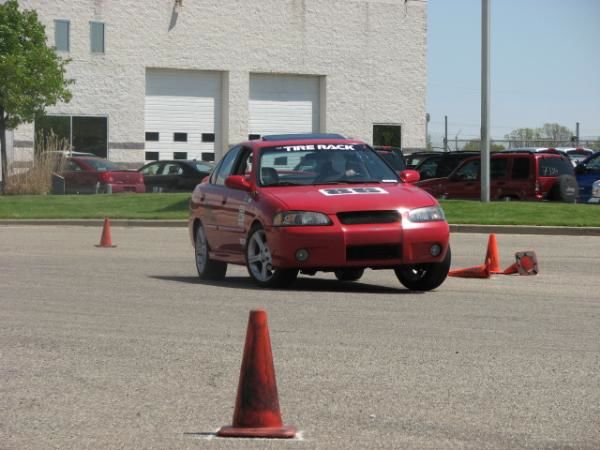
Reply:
x=182, y=113
x=282, y=104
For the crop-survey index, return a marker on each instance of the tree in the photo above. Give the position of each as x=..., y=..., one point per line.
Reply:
x=475, y=145
x=556, y=133
x=32, y=75
x=550, y=134
x=521, y=137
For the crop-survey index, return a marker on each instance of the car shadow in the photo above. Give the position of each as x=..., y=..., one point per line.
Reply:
x=301, y=284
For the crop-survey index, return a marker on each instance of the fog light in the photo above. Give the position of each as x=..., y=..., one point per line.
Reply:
x=435, y=250
x=302, y=255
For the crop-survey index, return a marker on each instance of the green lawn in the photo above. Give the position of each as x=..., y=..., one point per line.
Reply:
x=175, y=206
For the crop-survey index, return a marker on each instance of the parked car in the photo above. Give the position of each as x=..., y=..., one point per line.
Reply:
x=440, y=165
x=93, y=175
x=305, y=203
x=393, y=156
x=520, y=175
x=588, y=178
x=577, y=154
x=174, y=175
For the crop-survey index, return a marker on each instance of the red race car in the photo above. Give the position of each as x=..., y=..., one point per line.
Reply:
x=307, y=203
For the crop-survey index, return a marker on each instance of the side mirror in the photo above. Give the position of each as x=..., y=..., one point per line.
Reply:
x=409, y=176
x=238, y=182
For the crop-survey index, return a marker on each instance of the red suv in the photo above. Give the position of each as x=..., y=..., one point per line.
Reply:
x=520, y=175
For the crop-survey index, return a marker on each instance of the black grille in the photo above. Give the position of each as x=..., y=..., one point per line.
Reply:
x=359, y=217
x=373, y=252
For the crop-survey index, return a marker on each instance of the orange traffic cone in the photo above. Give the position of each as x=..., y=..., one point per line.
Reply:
x=481, y=271
x=526, y=264
x=492, y=258
x=256, y=412
x=105, y=240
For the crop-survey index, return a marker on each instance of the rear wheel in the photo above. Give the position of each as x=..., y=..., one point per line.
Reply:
x=565, y=189
x=349, y=274
x=424, y=277
x=260, y=263
x=208, y=269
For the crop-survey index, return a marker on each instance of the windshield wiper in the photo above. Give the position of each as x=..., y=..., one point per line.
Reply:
x=343, y=181
x=283, y=183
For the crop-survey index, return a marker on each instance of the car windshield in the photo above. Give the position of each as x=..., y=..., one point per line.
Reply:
x=311, y=164
x=101, y=165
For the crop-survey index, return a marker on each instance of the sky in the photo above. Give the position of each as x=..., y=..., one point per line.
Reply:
x=545, y=66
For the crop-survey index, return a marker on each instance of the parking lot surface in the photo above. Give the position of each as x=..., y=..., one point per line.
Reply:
x=125, y=348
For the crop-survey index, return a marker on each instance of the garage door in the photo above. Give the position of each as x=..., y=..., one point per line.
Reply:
x=283, y=104
x=182, y=112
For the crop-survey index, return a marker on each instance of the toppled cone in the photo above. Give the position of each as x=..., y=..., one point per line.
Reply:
x=481, y=271
x=526, y=264
x=105, y=239
x=256, y=412
x=492, y=258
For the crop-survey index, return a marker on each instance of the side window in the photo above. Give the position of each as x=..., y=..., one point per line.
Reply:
x=498, y=168
x=151, y=169
x=469, y=171
x=428, y=168
x=553, y=167
x=226, y=166
x=520, y=169
x=97, y=37
x=72, y=166
x=172, y=169
x=245, y=166
x=61, y=35
x=594, y=164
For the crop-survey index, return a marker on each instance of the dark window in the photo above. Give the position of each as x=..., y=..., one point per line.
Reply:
x=253, y=137
x=208, y=156
x=179, y=155
x=468, y=172
x=152, y=135
x=151, y=169
x=151, y=156
x=180, y=137
x=498, y=168
x=90, y=135
x=97, y=37
x=520, y=169
x=208, y=137
x=61, y=35
x=227, y=165
x=389, y=135
x=554, y=167
x=52, y=133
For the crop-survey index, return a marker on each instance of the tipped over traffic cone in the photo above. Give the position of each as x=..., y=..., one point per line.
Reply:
x=492, y=258
x=526, y=264
x=481, y=271
x=105, y=240
x=256, y=412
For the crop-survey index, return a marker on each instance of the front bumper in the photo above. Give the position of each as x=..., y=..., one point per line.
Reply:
x=368, y=245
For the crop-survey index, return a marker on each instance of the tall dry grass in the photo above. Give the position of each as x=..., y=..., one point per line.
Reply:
x=48, y=161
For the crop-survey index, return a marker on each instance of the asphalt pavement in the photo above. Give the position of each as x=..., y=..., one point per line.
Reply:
x=125, y=348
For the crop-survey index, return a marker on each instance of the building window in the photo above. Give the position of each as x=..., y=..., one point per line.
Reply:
x=151, y=156
x=388, y=135
x=152, y=135
x=179, y=155
x=97, y=37
x=61, y=35
x=206, y=156
x=253, y=137
x=208, y=137
x=179, y=137
x=79, y=133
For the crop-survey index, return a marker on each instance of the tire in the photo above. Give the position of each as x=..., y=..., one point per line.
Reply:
x=208, y=269
x=349, y=274
x=424, y=277
x=565, y=189
x=259, y=262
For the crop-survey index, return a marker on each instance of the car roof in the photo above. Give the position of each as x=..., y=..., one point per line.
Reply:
x=302, y=140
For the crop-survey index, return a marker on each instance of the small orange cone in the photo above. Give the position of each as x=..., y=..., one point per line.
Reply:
x=105, y=240
x=256, y=412
x=492, y=258
x=481, y=271
x=526, y=264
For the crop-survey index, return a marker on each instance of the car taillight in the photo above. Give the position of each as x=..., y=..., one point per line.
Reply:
x=106, y=177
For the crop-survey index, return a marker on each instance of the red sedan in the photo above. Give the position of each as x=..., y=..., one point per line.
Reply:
x=92, y=175
x=308, y=203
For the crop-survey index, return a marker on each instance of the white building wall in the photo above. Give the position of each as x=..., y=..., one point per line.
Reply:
x=371, y=54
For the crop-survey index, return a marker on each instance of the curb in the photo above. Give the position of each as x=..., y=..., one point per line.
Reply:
x=454, y=228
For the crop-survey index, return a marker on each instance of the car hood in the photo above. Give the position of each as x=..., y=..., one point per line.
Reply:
x=332, y=199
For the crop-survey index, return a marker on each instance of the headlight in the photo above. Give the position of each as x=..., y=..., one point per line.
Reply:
x=429, y=214
x=596, y=189
x=300, y=218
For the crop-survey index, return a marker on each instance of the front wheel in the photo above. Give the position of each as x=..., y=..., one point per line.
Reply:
x=208, y=269
x=260, y=263
x=424, y=277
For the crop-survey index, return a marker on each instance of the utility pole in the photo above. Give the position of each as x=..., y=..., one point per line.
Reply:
x=485, y=101
x=445, y=133
x=577, y=134
x=427, y=118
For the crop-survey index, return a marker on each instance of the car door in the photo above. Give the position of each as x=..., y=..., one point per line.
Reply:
x=499, y=183
x=152, y=176
x=213, y=200
x=171, y=176
x=78, y=180
x=237, y=206
x=464, y=182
